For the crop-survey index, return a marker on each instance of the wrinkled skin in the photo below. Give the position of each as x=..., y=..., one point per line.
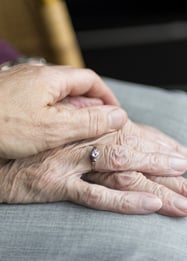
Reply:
x=138, y=171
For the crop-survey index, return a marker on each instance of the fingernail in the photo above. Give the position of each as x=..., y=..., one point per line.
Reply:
x=178, y=164
x=117, y=118
x=151, y=204
x=181, y=203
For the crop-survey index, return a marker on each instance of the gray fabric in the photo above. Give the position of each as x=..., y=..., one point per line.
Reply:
x=68, y=232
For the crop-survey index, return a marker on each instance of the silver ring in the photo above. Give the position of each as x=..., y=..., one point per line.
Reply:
x=93, y=157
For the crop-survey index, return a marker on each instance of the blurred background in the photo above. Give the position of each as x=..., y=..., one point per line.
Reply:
x=137, y=41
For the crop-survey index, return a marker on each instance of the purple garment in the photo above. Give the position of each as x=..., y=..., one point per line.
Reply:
x=7, y=52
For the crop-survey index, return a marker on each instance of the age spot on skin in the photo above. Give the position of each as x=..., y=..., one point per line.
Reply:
x=6, y=119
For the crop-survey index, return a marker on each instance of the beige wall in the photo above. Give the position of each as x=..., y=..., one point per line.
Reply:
x=40, y=28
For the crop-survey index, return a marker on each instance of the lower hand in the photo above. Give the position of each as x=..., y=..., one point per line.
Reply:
x=171, y=190
x=55, y=175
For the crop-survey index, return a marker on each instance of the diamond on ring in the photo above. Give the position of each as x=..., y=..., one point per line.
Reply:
x=93, y=157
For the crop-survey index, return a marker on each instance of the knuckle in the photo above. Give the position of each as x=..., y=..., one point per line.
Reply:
x=159, y=190
x=131, y=141
x=97, y=123
x=118, y=179
x=137, y=181
x=154, y=161
x=91, y=73
x=129, y=180
x=118, y=158
x=122, y=180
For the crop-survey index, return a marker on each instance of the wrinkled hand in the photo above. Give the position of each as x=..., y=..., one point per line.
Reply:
x=136, y=147
x=150, y=151
x=33, y=118
x=55, y=175
x=140, y=140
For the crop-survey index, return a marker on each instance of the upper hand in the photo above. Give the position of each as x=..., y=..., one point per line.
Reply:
x=33, y=118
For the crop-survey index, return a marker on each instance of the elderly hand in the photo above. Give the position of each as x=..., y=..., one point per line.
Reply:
x=55, y=175
x=146, y=139
x=151, y=152
x=32, y=117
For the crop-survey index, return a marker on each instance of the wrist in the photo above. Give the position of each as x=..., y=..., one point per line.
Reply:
x=21, y=60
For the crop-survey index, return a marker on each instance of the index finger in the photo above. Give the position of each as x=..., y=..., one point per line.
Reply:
x=75, y=81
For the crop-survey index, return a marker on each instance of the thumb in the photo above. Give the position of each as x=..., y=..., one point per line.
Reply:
x=94, y=121
x=89, y=122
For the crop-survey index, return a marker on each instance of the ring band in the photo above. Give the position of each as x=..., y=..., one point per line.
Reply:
x=93, y=157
